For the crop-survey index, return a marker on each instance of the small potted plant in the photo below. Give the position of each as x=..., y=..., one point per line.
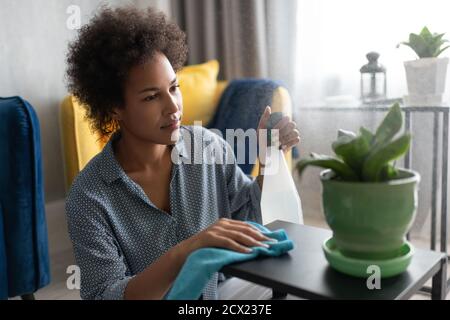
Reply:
x=426, y=76
x=368, y=203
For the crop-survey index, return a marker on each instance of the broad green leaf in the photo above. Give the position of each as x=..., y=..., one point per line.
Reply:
x=437, y=39
x=391, y=125
x=367, y=135
x=342, y=132
x=403, y=43
x=440, y=51
x=342, y=140
x=439, y=36
x=353, y=152
x=425, y=33
x=419, y=45
x=377, y=159
x=340, y=168
x=388, y=172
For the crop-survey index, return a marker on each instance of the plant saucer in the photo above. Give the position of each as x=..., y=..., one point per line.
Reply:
x=359, y=267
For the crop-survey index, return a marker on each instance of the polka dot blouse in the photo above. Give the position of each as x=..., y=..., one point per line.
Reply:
x=117, y=231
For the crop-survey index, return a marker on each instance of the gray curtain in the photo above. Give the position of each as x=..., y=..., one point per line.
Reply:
x=250, y=38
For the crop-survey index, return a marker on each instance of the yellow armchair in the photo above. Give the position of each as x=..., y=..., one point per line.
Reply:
x=80, y=144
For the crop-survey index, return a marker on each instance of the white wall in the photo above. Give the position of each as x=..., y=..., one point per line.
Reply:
x=33, y=44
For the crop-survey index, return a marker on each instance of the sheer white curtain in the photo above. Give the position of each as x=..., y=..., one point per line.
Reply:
x=333, y=39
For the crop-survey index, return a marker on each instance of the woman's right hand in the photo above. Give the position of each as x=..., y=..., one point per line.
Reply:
x=155, y=281
x=229, y=234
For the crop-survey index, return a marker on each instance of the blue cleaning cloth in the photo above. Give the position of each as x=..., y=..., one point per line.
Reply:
x=203, y=263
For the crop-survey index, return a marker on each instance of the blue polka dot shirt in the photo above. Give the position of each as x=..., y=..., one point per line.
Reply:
x=116, y=230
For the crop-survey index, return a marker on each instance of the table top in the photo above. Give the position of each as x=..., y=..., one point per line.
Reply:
x=305, y=272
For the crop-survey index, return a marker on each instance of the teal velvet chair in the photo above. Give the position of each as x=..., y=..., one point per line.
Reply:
x=24, y=258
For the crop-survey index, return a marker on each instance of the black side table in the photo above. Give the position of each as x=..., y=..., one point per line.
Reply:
x=304, y=271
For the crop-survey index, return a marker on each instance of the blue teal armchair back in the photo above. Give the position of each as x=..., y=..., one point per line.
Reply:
x=24, y=258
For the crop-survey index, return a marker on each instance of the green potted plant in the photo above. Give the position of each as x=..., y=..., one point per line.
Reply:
x=426, y=75
x=368, y=203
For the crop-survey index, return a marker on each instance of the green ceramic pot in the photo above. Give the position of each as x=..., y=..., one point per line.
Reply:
x=370, y=219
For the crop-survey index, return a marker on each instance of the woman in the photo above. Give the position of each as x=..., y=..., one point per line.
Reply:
x=134, y=215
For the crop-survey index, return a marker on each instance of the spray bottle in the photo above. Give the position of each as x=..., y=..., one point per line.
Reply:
x=279, y=199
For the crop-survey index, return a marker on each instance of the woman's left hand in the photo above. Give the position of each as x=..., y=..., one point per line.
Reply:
x=288, y=134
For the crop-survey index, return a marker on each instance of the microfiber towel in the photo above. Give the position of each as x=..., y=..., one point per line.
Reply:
x=203, y=263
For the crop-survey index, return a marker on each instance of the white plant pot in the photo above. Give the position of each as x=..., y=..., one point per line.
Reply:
x=426, y=81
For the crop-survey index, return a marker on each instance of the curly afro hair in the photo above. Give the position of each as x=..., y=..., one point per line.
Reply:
x=100, y=58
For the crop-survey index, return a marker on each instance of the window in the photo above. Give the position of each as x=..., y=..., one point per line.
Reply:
x=334, y=37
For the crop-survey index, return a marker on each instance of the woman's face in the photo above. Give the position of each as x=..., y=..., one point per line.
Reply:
x=153, y=102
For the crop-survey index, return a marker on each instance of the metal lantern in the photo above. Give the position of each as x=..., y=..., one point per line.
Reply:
x=373, y=79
